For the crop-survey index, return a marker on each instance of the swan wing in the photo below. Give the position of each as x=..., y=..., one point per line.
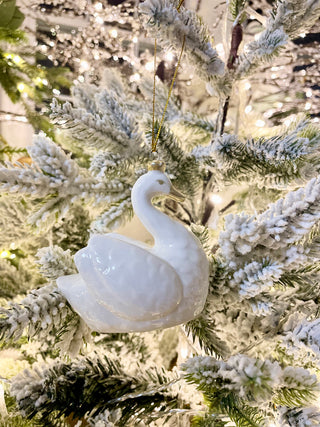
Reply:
x=95, y=315
x=129, y=280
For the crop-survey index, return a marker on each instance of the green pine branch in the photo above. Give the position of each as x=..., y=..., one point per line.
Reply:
x=183, y=167
x=304, y=279
x=235, y=7
x=202, y=329
x=221, y=400
x=292, y=397
x=209, y=420
x=91, y=386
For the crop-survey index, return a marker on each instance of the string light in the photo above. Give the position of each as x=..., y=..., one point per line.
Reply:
x=4, y=254
x=149, y=66
x=98, y=6
x=84, y=66
x=16, y=59
x=309, y=93
x=307, y=106
x=135, y=77
x=248, y=109
x=99, y=20
x=169, y=56
x=113, y=33
x=20, y=87
x=260, y=123
x=216, y=199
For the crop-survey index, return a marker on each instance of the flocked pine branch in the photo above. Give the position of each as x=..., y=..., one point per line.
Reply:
x=103, y=124
x=299, y=416
x=296, y=16
x=87, y=387
x=42, y=312
x=287, y=21
x=255, y=383
x=271, y=162
x=285, y=222
x=54, y=262
x=181, y=166
x=55, y=175
x=170, y=26
x=194, y=129
x=263, y=50
x=303, y=341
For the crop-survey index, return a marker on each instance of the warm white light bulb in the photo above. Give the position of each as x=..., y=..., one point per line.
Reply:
x=84, y=66
x=149, y=66
x=184, y=352
x=113, y=34
x=4, y=254
x=20, y=87
x=169, y=56
x=135, y=77
x=260, y=123
x=215, y=199
x=98, y=6
x=99, y=20
x=16, y=59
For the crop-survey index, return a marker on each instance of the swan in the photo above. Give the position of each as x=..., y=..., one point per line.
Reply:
x=124, y=285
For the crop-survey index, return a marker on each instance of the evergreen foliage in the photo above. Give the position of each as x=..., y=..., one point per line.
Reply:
x=253, y=353
x=93, y=385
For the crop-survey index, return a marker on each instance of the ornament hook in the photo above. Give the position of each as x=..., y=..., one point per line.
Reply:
x=157, y=165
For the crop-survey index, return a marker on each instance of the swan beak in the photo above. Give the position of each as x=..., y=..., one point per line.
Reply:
x=176, y=195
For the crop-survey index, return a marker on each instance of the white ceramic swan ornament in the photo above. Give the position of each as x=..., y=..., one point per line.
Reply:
x=126, y=286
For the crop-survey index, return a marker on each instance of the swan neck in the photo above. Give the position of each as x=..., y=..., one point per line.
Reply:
x=160, y=225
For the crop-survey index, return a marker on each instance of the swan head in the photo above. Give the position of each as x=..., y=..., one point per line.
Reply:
x=155, y=183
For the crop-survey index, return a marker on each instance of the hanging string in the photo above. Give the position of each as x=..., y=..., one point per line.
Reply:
x=155, y=140
x=179, y=5
x=154, y=145
x=154, y=89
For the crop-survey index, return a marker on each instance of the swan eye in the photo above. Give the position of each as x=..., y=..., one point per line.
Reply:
x=160, y=181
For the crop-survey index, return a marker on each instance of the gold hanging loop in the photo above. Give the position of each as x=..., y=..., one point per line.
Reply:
x=155, y=139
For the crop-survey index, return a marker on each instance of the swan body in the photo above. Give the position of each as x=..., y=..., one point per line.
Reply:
x=126, y=286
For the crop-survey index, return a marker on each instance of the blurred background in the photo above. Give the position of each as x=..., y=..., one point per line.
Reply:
x=67, y=42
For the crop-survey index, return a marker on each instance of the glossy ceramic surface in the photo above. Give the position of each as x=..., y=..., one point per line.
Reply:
x=124, y=285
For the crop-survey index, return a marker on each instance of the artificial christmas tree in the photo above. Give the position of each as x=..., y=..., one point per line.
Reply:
x=251, y=356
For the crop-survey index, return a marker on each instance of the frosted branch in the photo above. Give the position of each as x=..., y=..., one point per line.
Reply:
x=283, y=224
x=45, y=313
x=55, y=262
x=170, y=27
x=105, y=123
